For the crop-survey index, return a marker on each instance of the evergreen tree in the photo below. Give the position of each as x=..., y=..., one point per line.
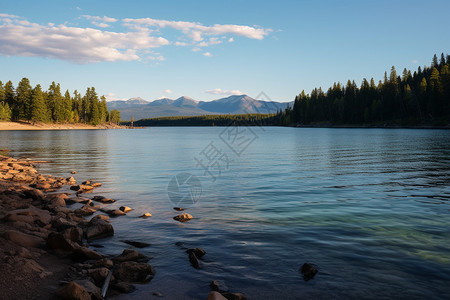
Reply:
x=38, y=107
x=21, y=106
x=5, y=111
x=67, y=107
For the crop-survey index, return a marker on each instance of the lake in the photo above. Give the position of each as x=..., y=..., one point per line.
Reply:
x=369, y=207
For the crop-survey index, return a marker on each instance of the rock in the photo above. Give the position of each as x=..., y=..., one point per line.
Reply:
x=78, y=200
x=83, y=253
x=103, y=199
x=74, y=234
x=96, y=184
x=136, y=244
x=218, y=286
x=178, y=208
x=183, y=217
x=31, y=213
x=114, y=212
x=102, y=217
x=73, y=291
x=87, y=182
x=309, y=271
x=130, y=255
x=104, y=262
x=73, y=172
x=158, y=294
x=85, y=210
x=123, y=287
x=125, y=209
x=194, y=260
x=91, y=288
x=98, y=228
x=146, y=215
x=199, y=252
x=23, y=239
x=34, y=194
x=61, y=223
x=131, y=271
x=57, y=241
x=71, y=181
x=57, y=199
x=98, y=274
x=81, y=188
x=216, y=296
x=22, y=177
x=43, y=186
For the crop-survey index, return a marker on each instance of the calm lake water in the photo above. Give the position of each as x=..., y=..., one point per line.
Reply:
x=369, y=207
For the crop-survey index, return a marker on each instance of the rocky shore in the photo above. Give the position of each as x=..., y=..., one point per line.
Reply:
x=45, y=239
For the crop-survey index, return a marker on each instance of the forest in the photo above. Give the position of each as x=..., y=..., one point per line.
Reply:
x=25, y=103
x=212, y=120
x=418, y=98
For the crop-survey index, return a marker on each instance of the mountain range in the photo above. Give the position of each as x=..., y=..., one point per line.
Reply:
x=139, y=108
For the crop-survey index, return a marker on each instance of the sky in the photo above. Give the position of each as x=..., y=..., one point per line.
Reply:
x=212, y=49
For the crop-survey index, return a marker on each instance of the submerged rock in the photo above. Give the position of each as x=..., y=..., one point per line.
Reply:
x=178, y=208
x=183, y=217
x=136, y=244
x=130, y=255
x=123, y=287
x=199, y=252
x=103, y=199
x=194, y=260
x=125, y=209
x=216, y=296
x=146, y=215
x=309, y=271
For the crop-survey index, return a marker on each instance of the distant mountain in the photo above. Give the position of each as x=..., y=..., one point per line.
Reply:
x=185, y=106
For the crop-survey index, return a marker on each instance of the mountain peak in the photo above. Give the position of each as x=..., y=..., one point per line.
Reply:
x=137, y=100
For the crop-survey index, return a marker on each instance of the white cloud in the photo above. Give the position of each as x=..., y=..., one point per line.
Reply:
x=104, y=19
x=224, y=92
x=196, y=31
x=180, y=44
x=207, y=54
x=230, y=40
x=111, y=97
x=415, y=61
x=76, y=44
x=78, y=8
x=168, y=91
x=212, y=41
x=196, y=49
x=102, y=25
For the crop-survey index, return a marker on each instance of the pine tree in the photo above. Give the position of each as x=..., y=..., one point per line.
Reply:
x=5, y=111
x=38, y=107
x=67, y=107
x=21, y=107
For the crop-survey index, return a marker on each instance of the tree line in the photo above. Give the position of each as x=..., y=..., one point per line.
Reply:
x=35, y=105
x=422, y=97
x=211, y=120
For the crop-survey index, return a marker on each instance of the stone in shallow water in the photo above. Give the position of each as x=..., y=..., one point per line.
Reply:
x=183, y=217
x=309, y=271
x=136, y=244
x=73, y=290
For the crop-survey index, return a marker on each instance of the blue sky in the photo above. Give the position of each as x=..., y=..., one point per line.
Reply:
x=211, y=49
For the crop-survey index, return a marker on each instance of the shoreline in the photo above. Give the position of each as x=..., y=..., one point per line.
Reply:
x=44, y=126
x=46, y=234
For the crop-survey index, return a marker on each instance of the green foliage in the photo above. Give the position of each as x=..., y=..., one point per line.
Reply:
x=212, y=120
x=114, y=116
x=419, y=98
x=5, y=111
x=36, y=105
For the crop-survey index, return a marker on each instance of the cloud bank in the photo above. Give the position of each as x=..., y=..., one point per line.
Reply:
x=224, y=92
x=135, y=40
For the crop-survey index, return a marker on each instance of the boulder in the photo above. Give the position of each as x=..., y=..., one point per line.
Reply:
x=130, y=255
x=183, y=217
x=199, y=252
x=73, y=172
x=131, y=271
x=73, y=291
x=85, y=210
x=57, y=241
x=91, y=288
x=218, y=286
x=114, y=212
x=96, y=184
x=84, y=253
x=178, y=208
x=43, y=186
x=23, y=239
x=57, y=199
x=98, y=228
x=99, y=275
x=74, y=234
x=125, y=209
x=22, y=177
x=103, y=199
x=104, y=262
x=146, y=215
x=308, y=271
x=234, y=296
x=34, y=194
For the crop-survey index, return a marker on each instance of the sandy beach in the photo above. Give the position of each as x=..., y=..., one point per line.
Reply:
x=41, y=126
